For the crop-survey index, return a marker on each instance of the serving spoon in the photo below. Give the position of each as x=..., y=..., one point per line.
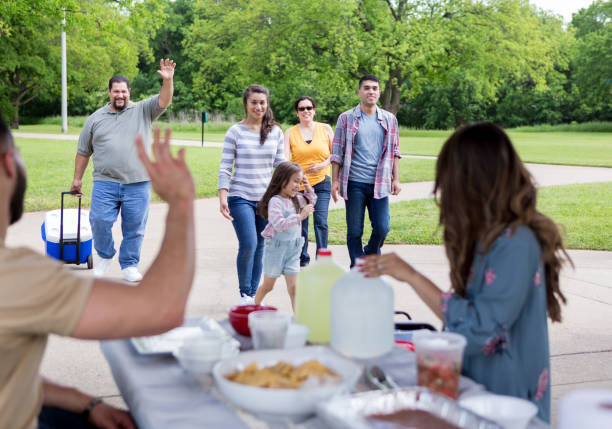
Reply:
x=379, y=379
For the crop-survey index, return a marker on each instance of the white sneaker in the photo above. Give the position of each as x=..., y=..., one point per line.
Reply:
x=101, y=267
x=131, y=274
x=246, y=300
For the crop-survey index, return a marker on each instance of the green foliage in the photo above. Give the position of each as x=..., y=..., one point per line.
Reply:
x=104, y=37
x=293, y=48
x=442, y=63
x=592, y=61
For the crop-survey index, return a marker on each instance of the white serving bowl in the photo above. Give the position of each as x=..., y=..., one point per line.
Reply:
x=296, y=336
x=280, y=404
x=508, y=411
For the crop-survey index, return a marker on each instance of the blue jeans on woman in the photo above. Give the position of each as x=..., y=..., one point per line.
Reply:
x=361, y=196
x=323, y=191
x=107, y=199
x=248, y=225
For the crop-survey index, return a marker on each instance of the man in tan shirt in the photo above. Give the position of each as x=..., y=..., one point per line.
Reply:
x=38, y=296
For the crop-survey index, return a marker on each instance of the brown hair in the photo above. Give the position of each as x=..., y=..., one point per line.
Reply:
x=282, y=174
x=482, y=187
x=268, y=120
x=302, y=98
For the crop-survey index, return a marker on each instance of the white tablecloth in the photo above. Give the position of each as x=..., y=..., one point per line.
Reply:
x=161, y=395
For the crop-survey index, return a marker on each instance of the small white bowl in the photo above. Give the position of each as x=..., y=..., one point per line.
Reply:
x=199, y=363
x=296, y=336
x=508, y=411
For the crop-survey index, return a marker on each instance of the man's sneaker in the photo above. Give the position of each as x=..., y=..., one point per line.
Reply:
x=101, y=267
x=131, y=274
x=246, y=300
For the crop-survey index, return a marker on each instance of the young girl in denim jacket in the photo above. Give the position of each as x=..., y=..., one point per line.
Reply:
x=285, y=208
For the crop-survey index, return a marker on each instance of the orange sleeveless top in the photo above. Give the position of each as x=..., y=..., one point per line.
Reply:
x=306, y=154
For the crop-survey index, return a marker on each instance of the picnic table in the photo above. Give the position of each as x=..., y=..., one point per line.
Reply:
x=161, y=394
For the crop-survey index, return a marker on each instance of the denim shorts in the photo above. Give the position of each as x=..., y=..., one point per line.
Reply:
x=282, y=257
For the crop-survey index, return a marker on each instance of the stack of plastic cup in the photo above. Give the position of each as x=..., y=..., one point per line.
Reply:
x=268, y=329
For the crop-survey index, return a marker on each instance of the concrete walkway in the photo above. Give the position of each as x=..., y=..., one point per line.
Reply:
x=581, y=346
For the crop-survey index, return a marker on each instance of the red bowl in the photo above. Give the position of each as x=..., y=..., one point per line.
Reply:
x=239, y=317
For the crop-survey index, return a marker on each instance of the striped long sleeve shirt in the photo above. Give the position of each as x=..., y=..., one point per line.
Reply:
x=250, y=161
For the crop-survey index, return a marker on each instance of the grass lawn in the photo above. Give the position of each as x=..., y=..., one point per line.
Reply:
x=50, y=165
x=567, y=148
x=584, y=211
x=544, y=145
x=417, y=170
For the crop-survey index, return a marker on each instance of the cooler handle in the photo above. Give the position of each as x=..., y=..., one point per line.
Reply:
x=61, y=239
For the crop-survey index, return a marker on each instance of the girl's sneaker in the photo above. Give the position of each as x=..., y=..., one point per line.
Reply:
x=246, y=300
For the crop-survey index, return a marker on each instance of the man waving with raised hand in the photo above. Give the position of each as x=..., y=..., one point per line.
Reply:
x=120, y=180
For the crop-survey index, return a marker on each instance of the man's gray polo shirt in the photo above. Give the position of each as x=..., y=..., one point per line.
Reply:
x=109, y=136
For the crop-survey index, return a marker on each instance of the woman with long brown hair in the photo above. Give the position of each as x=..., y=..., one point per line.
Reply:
x=252, y=148
x=505, y=258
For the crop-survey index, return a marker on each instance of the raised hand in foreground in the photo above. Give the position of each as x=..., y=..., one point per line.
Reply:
x=170, y=177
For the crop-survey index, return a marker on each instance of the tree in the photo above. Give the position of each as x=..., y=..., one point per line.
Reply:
x=168, y=43
x=293, y=47
x=592, y=63
x=104, y=37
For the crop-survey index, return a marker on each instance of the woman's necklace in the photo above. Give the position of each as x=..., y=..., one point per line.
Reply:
x=307, y=132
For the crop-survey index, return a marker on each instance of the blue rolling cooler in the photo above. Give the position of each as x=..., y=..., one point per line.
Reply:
x=67, y=234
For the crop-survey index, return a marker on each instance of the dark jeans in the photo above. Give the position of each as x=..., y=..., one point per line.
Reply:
x=54, y=418
x=361, y=195
x=248, y=226
x=323, y=191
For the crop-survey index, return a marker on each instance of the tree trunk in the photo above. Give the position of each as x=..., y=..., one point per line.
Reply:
x=390, y=98
x=15, y=119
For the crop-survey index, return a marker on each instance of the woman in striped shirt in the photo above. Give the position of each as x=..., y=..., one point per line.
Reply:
x=252, y=148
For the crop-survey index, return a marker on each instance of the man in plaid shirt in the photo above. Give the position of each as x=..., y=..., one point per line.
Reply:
x=365, y=167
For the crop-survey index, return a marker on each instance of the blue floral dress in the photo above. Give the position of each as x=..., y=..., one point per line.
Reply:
x=503, y=317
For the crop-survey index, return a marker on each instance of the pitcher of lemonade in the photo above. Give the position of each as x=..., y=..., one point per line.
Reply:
x=312, y=295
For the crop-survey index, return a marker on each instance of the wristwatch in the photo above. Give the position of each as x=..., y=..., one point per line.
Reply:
x=87, y=411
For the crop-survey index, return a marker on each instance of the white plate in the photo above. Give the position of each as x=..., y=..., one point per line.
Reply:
x=278, y=404
x=168, y=342
x=165, y=343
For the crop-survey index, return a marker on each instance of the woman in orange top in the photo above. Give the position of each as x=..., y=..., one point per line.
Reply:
x=309, y=143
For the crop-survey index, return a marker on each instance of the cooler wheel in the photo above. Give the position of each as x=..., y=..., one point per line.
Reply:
x=90, y=262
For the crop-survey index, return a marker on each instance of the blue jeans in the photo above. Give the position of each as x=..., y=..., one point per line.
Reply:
x=55, y=418
x=248, y=226
x=323, y=191
x=107, y=199
x=361, y=195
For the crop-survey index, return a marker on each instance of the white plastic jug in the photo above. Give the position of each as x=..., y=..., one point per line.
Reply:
x=361, y=316
x=312, y=295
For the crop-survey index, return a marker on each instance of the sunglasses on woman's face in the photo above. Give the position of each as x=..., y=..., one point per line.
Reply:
x=301, y=109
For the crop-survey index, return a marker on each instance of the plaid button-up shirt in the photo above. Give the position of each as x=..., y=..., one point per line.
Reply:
x=342, y=149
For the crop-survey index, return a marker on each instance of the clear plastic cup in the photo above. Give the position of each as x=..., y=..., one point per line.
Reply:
x=268, y=329
x=439, y=356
